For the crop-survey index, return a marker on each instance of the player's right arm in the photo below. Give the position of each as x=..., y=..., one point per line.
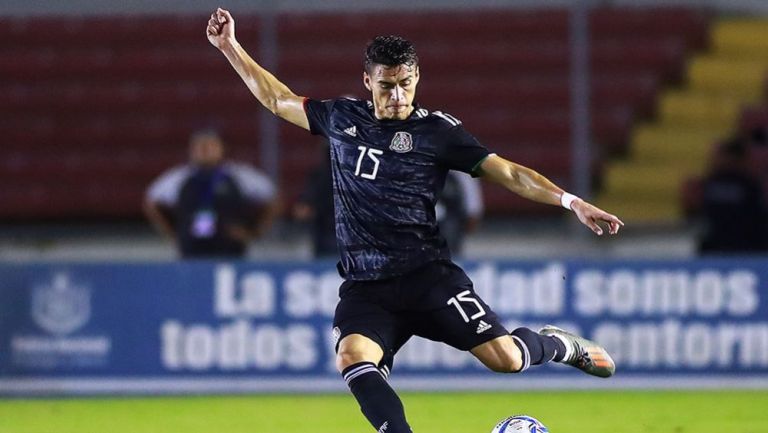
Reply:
x=272, y=93
x=459, y=149
x=529, y=184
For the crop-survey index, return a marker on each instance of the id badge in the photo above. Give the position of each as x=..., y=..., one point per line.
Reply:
x=204, y=224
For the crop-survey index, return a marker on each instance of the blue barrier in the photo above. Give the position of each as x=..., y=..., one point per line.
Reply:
x=266, y=327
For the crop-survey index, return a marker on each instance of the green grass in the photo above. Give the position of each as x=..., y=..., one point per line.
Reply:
x=562, y=412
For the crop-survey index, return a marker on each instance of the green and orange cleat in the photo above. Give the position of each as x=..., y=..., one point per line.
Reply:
x=586, y=355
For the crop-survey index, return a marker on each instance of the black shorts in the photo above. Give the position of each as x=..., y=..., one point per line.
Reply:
x=436, y=301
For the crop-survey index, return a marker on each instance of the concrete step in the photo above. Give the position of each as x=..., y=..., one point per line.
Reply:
x=647, y=181
x=693, y=157
x=691, y=108
x=741, y=37
x=689, y=147
x=743, y=78
x=633, y=211
x=678, y=145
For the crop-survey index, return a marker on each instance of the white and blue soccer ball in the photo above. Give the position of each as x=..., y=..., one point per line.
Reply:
x=520, y=424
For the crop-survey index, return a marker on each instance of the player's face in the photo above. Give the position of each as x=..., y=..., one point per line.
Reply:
x=206, y=151
x=392, y=90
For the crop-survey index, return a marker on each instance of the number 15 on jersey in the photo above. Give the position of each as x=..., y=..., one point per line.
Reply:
x=371, y=154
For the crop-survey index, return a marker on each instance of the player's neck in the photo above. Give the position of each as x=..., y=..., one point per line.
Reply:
x=382, y=114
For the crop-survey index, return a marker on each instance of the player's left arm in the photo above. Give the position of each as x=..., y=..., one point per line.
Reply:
x=270, y=91
x=533, y=186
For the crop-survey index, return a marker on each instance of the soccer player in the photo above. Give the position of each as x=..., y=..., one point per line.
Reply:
x=389, y=159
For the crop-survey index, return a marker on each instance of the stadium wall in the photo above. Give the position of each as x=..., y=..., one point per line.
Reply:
x=210, y=327
x=92, y=7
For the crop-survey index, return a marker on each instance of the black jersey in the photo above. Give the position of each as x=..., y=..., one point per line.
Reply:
x=386, y=177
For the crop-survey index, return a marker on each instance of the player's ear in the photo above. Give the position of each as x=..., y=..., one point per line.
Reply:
x=367, y=80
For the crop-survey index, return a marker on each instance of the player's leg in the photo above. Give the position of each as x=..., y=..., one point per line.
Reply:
x=367, y=331
x=466, y=322
x=586, y=355
x=451, y=312
x=523, y=348
x=357, y=348
x=459, y=317
x=519, y=350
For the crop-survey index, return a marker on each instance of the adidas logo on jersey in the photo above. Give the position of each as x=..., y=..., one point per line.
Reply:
x=482, y=327
x=351, y=131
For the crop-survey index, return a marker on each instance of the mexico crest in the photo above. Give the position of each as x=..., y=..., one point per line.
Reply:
x=402, y=142
x=61, y=307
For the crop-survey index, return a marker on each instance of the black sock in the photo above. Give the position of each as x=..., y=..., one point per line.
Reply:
x=536, y=348
x=376, y=398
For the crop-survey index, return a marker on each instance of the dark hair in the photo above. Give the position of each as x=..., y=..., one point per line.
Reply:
x=390, y=51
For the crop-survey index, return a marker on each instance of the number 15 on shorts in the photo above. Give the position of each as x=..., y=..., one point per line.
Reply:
x=465, y=297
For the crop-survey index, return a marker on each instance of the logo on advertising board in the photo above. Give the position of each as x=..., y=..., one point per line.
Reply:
x=60, y=306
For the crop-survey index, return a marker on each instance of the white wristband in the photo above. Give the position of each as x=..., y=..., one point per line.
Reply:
x=567, y=199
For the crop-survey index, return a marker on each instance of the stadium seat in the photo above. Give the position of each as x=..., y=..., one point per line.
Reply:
x=688, y=24
x=82, y=97
x=296, y=29
x=113, y=31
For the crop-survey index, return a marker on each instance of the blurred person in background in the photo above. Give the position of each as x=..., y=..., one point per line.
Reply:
x=459, y=209
x=211, y=207
x=315, y=206
x=733, y=203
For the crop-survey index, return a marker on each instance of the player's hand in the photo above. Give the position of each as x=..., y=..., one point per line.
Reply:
x=591, y=216
x=221, y=28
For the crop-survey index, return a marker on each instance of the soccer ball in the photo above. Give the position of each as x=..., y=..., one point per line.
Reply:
x=520, y=424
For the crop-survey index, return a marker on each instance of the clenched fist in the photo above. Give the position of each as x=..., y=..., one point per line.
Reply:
x=221, y=28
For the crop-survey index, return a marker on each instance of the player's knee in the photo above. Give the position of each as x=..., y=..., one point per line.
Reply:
x=509, y=364
x=514, y=364
x=356, y=348
x=514, y=359
x=500, y=355
x=347, y=357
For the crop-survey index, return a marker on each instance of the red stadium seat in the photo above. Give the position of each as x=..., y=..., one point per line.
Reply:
x=297, y=29
x=84, y=98
x=115, y=31
x=688, y=24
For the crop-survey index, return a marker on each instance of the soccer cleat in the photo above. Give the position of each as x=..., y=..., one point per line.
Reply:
x=586, y=355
